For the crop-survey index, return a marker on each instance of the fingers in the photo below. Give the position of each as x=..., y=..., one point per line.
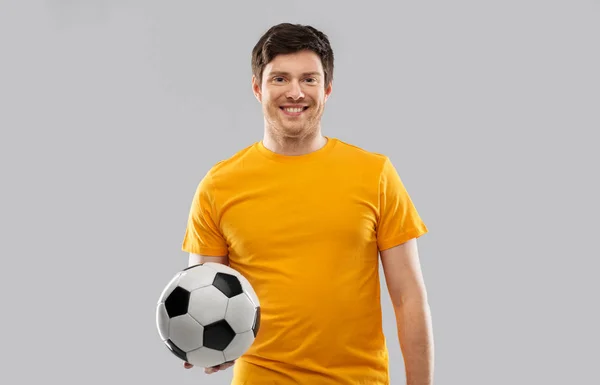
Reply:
x=212, y=369
x=217, y=368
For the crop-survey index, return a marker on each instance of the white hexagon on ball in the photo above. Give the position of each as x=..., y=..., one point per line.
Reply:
x=240, y=313
x=207, y=305
x=204, y=357
x=186, y=332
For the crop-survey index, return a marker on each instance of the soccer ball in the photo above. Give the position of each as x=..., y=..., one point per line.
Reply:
x=208, y=314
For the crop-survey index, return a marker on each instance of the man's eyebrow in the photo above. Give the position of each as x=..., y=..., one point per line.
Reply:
x=287, y=73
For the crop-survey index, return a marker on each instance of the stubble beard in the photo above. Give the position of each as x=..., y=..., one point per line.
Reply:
x=296, y=132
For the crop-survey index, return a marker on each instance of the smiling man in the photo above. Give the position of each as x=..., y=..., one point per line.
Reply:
x=293, y=88
x=307, y=218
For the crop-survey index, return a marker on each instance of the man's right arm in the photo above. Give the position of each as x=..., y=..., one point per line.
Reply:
x=196, y=259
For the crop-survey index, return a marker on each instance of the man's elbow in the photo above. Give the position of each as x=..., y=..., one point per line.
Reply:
x=414, y=298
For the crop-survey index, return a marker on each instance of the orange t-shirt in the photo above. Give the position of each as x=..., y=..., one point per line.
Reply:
x=306, y=232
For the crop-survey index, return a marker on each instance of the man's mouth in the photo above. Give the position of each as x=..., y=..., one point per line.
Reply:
x=293, y=111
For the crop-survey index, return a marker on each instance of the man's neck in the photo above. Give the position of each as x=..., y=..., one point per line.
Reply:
x=294, y=146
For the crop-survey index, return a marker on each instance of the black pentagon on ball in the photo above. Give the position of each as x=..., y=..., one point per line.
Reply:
x=177, y=302
x=228, y=284
x=176, y=351
x=218, y=335
x=256, y=325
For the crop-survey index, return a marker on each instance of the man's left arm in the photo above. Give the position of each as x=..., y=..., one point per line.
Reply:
x=407, y=291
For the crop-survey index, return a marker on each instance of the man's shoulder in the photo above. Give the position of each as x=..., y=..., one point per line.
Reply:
x=231, y=163
x=360, y=154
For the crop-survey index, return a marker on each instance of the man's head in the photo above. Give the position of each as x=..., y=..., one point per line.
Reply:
x=292, y=68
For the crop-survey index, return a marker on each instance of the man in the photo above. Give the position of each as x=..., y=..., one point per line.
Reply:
x=305, y=217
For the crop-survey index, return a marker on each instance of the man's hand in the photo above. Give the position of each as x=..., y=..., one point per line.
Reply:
x=212, y=369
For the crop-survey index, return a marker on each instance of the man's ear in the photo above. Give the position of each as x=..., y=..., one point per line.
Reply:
x=256, y=89
x=328, y=90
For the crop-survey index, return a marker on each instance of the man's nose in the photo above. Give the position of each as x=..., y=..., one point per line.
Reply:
x=295, y=91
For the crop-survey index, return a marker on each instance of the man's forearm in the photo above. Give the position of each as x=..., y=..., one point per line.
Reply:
x=415, y=334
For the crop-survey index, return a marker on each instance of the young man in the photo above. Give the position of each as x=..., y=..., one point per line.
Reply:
x=305, y=217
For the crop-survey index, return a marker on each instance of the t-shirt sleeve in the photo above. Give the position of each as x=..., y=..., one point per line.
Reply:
x=202, y=234
x=398, y=220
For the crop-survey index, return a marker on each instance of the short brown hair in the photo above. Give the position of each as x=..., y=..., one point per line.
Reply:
x=287, y=38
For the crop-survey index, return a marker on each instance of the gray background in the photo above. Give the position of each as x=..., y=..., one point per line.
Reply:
x=112, y=111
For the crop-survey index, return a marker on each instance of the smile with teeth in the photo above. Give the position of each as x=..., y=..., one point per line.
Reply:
x=293, y=110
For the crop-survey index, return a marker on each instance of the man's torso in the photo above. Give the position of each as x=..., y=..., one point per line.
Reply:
x=304, y=233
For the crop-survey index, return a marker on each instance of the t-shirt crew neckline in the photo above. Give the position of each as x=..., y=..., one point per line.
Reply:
x=311, y=156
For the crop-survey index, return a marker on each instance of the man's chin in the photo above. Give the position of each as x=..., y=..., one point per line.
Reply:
x=295, y=131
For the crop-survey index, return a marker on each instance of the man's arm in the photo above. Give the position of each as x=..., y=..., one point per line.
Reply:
x=195, y=259
x=407, y=291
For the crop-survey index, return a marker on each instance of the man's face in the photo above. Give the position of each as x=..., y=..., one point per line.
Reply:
x=293, y=94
